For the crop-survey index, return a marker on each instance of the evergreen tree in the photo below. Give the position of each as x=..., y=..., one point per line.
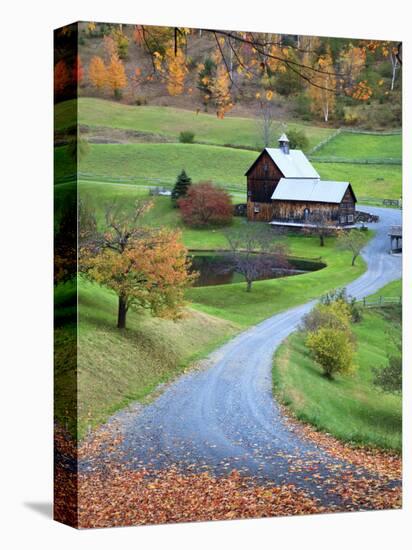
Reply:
x=182, y=184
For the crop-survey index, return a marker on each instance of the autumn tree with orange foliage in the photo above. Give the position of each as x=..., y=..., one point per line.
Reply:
x=62, y=77
x=323, y=92
x=220, y=89
x=146, y=268
x=206, y=205
x=97, y=72
x=176, y=71
x=116, y=76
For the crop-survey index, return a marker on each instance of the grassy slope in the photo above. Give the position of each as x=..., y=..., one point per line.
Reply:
x=118, y=367
x=391, y=290
x=368, y=180
x=166, y=160
x=362, y=146
x=169, y=121
x=350, y=408
x=222, y=165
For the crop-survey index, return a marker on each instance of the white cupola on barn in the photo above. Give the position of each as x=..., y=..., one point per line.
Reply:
x=284, y=144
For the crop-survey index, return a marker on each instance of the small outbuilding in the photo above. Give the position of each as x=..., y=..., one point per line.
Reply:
x=285, y=189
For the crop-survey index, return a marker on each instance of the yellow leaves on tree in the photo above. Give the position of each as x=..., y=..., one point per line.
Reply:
x=330, y=338
x=116, y=75
x=151, y=272
x=97, y=72
x=352, y=61
x=332, y=349
x=176, y=70
x=220, y=89
x=323, y=88
x=362, y=91
x=113, y=76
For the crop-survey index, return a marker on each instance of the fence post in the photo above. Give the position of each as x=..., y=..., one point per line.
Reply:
x=364, y=302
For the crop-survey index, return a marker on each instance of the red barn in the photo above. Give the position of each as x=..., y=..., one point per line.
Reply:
x=284, y=188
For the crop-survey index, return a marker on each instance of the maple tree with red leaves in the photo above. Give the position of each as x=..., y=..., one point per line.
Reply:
x=62, y=77
x=206, y=205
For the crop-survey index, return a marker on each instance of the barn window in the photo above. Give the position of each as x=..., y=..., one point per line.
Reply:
x=342, y=219
x=265, y=167
x=350, y=218
x=257, y=209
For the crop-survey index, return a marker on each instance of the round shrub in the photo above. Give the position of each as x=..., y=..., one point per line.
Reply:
x=186, y=137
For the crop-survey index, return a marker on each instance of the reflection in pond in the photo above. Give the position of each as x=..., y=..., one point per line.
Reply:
x=218, y=268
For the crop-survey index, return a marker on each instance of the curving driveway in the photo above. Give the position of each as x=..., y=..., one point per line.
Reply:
x=224, y=416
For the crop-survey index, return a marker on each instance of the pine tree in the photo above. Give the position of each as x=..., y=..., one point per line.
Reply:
x=181, y=187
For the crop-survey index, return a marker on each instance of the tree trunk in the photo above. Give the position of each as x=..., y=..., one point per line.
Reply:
x=322, y=240
x=122, y=311
x=354, y=258
x=394, y=61
x=248, y=286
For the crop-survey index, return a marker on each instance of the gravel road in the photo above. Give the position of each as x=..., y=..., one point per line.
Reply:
x=224, y=416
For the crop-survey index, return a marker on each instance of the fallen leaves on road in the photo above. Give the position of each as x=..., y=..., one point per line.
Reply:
x=384, y=463
x=126, y=497
x=110, y=494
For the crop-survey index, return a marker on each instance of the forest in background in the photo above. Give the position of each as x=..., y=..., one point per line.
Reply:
x=328, y=81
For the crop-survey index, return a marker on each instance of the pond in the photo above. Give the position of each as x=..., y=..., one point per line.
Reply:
x=218, y=268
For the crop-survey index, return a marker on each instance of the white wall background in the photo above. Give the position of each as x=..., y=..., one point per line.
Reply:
x=26, y=268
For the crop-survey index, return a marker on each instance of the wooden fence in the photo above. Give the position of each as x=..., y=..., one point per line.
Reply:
x=382, y=301
x=343, y=160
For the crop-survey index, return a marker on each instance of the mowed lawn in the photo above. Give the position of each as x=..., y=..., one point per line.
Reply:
x=381, y=181
x=363, y=146
x=349, y=407
x=159, y=163
x=170, y=121
x=164, y=161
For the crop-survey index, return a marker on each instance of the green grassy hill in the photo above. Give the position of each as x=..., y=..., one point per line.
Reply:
x=362, y=146
x=350, y=407
x=382, y=181
x=170, y=121
x=159, y=164
x=165, y=160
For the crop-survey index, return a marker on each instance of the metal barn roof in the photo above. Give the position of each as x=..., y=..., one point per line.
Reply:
x=293, y=164
x=310, y=190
